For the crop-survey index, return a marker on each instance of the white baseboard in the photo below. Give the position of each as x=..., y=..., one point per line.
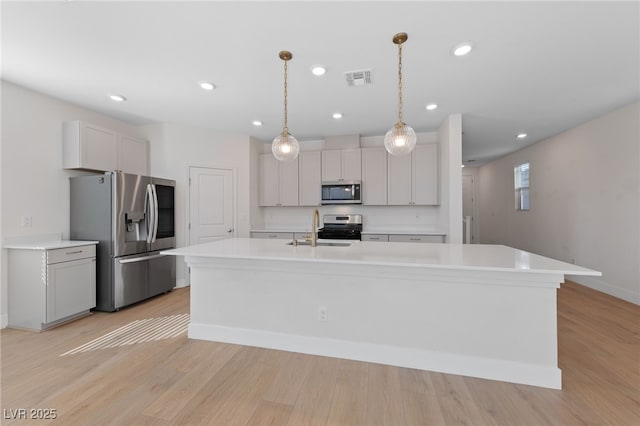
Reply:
x=485, y=368
x=4, y=320
x=598, y=284
x=181, y=283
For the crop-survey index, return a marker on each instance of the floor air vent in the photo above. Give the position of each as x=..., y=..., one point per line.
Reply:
x=358, y=78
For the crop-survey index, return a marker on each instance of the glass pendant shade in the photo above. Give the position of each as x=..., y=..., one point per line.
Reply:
x=285, y=147
x=400, y=140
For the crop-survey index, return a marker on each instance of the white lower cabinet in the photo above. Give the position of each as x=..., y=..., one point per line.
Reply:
x=281, y=235
x=406, y=238
x=48, y=287
x=374, y=237
x=272, y=235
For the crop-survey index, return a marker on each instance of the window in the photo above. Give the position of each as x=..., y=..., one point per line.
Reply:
x=521, y=185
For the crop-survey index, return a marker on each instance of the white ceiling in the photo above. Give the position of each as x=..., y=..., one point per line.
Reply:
x=537, y=67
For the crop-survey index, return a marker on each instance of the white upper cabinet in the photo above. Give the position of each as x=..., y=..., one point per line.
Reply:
x=86, y=146
x=340, y=165
x=90, y=147
x=132, y=155
x=399, y=179
x=426, y=175
x=269, y=180
x=310, y=174
x=331, y=165
x=288, y=182
x=351, y=163
x=415, y=178
x=278, y=181
x=374, y=176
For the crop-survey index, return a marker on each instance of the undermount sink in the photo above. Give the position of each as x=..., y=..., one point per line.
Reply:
x=308, y=243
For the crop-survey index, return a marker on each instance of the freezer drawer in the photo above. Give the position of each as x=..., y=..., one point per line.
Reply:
x=139, y=277
x=162, y=274
x=130, y=280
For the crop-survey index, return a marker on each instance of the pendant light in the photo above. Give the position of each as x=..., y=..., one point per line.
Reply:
x=401, y=139
x=285, y=147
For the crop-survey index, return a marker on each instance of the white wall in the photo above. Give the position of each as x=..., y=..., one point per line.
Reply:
x=174, y=148
x=33, y=181
x=585, y=201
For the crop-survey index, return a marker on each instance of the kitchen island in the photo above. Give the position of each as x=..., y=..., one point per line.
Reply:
x=485, y=311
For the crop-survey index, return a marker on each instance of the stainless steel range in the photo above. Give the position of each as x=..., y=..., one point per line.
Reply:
x=341, y=227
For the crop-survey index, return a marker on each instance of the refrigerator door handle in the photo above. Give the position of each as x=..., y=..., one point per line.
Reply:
x=148, y=204
x=140, y=259
x=155, y=213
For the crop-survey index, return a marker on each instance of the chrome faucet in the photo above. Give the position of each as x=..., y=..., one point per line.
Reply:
x=315, y=223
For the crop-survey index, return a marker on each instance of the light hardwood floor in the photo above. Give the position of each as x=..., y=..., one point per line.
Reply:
x=180, y=381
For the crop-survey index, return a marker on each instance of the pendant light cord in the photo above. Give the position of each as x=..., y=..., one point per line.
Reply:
x=399, y=84
x=285, y=129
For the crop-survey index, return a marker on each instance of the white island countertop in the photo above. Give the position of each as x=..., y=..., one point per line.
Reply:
x=444, y=256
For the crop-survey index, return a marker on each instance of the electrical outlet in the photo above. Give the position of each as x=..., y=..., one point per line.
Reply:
x=26, y=221
x=322, y=313
x=573, y=260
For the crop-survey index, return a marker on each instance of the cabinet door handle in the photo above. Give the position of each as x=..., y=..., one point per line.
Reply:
x=414, y=239
x=374, y=238
x=74, y=252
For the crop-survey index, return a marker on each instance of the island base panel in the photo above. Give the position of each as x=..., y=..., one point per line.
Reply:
x=472, y=323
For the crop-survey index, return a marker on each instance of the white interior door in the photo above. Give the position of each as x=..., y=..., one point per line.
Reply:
x=468, y=207
x=211, y=201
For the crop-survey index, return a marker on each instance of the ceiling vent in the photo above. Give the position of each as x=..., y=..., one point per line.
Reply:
x=358, y=78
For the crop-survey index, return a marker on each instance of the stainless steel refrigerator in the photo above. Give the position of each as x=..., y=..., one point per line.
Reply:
x=132, y=217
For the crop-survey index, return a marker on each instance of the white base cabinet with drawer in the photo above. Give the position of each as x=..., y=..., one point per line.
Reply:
x=272, y=235
x=375, y=237
x=50, y=286
x=404, y=238
x=407, y=238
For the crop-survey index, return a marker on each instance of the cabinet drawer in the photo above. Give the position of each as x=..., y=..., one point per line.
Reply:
x=404, y=238
x=374, y=237
x=70, y=253
x=273, y=235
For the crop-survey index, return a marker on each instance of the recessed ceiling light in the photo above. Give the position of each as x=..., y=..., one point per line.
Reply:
x=206, y=85
x=337, y=115
x=431, y=107
x=318, y=70
x=521, y=135
x=256, y=123
x=462, y=49
x=117, y=98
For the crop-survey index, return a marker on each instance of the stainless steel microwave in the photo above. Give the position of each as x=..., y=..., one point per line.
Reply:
x=341, y=192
